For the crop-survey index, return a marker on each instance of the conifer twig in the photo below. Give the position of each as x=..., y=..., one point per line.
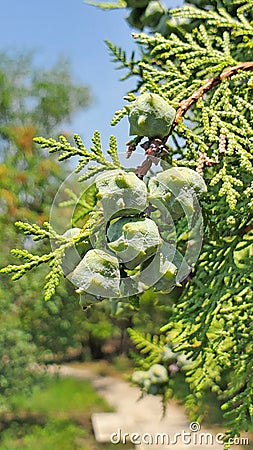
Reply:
x=207, y=86
x=184, y=105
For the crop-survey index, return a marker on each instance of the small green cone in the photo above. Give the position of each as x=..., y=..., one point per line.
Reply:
x=150, y=115
x=97, y=274
x=121, y=193
x=133, y=240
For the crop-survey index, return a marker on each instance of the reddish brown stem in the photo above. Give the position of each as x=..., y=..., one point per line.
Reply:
x=207, y=86
x=143, y=169
x=246, y=229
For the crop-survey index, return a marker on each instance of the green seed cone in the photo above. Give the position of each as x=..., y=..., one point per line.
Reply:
x=158, y=374
x=133, y=240
x=98, y=274
x=73, y=254
x=134, y=18
x=150, y=115
x=87, y=300
x=137, y=3
x=152, y=14
x=177, y=189
x=138, y=377
x=176, y=272
x=121, y=193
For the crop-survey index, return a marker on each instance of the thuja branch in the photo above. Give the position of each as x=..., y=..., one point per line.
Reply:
x=207, y=86
x=155, y=147
x=95, y=154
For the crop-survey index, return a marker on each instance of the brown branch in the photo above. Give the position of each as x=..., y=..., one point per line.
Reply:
x=186, y=104
x=207, y=86
x=143, y=169
x=247, y=229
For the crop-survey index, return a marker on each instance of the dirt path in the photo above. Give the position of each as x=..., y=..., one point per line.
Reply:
x=141, y=420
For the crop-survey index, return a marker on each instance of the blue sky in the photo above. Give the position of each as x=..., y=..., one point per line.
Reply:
x=74, y=30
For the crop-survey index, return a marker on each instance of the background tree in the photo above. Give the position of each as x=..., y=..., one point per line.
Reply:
x=31, y=101
x=36, y=101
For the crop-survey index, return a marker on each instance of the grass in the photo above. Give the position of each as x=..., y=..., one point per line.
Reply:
x=64, y=407
x=63, y=397
x=55, y=435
